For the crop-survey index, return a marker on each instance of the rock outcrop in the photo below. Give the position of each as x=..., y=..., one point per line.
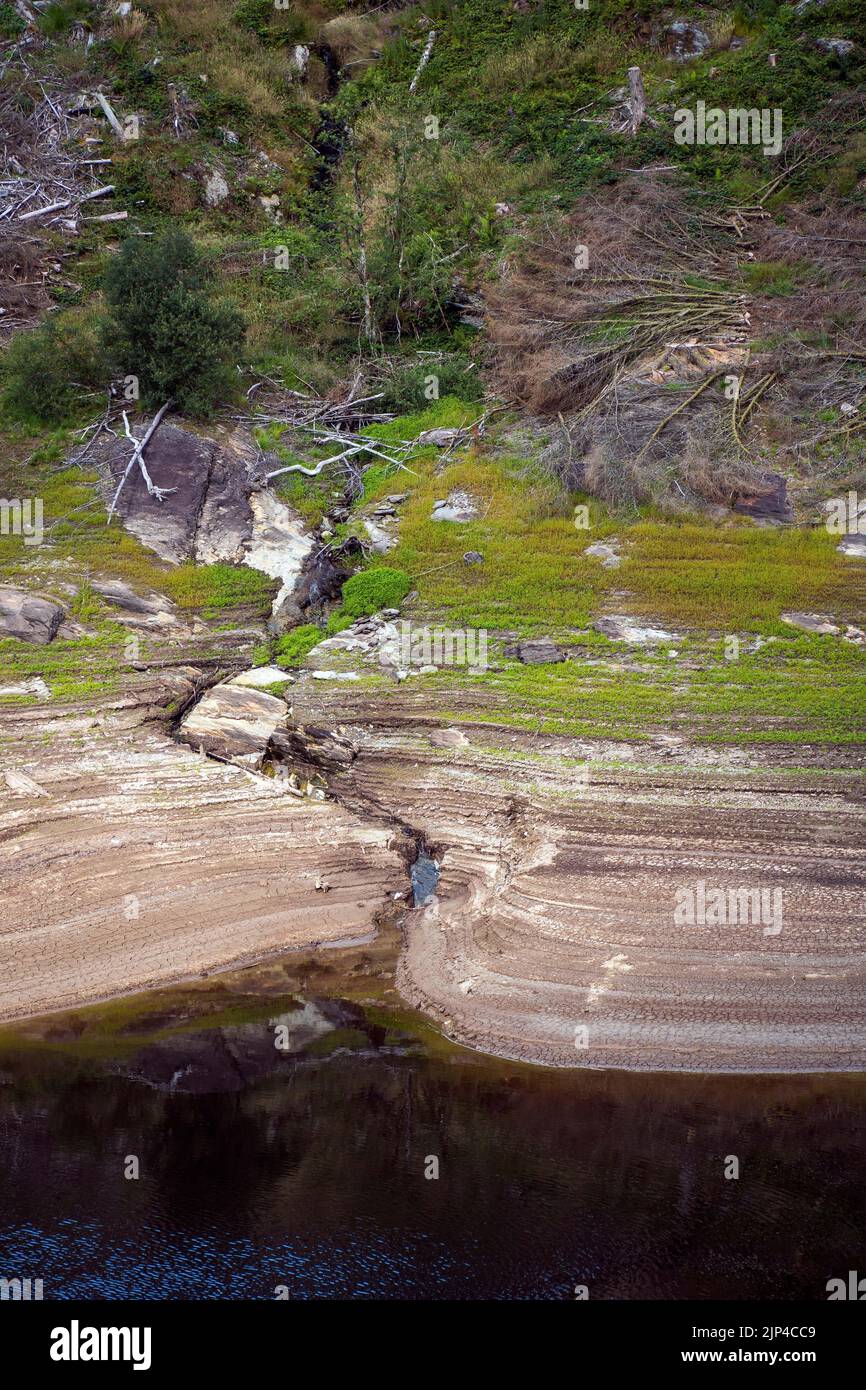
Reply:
x=206, y=513
x=29, y=617
x=233, y=721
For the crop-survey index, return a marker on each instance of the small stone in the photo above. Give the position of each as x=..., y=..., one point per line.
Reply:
x=620, y=629
x=605, y=552
x=473, y=557
x=538, y=651
x=812, y=622
x=216, y=188
x=838, y=48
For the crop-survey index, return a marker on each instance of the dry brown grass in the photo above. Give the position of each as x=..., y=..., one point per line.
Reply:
x=130, y=27
x=639, y=351
x=355, y=38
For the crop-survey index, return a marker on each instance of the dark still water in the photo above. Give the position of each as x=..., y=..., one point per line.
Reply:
x=306, y=1169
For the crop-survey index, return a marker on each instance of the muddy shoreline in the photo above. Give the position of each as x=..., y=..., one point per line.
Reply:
x=549, y=938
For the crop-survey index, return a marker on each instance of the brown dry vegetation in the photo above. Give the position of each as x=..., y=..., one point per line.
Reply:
x=639, y=351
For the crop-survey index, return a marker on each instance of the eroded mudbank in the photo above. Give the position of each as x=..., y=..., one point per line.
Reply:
x=553, y=935
x=137, y=862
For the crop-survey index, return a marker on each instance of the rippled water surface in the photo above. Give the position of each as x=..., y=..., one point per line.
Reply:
x=306, y=1169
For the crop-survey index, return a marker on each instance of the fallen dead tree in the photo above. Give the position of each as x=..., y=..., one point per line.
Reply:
x=139, y=446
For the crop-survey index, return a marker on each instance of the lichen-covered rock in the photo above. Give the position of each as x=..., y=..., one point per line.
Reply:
x=686, y=40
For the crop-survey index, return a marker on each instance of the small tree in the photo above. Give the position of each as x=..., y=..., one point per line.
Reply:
x=165, y=328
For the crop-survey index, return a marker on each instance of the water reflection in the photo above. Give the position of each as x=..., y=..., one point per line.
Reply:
x=304, y=1166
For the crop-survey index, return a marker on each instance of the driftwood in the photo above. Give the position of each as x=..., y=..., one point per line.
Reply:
x=110, y=116
x=637, y=99
x=160, y=493
x=65, y=203
x=425, y=59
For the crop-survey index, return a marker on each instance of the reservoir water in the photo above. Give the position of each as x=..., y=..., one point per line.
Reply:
x=310, y=1168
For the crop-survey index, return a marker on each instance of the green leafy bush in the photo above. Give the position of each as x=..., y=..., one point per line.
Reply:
x=293, y=647
x=63, y=14
x=372, y=590
x=11, y=23
x=407, y=388
x=164, y=326
x=50, y=373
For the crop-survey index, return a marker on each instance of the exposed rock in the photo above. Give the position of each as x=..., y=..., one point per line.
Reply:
x=216, y=188
x=315, y=747
x=29, y=617
x=812, y=622
x=837, y=48
x=473, y=557
x=380, y=539
x=335, y=675
x=280, y=543
x=686, y=40
x=448, y=738
x=770, y=504
x=151, y=611
x=538, y=651
x=270, y=204
x=457, y=506
x=605, y=552
x=232, y=721
x=440, y=439
x=260, y=677
x=226, y=520
x=120, y=595
x=299, y=60
x=621, y=629
x=320, y=582
x=854, y=547
x=188, y=524
x=34, y=686
x=20, y=784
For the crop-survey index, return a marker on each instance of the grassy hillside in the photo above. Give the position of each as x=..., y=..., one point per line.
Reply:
x=410, y=230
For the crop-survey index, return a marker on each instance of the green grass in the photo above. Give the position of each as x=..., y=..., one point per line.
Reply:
x=291, y=649
x=783, y=694
x=737, y=577
x=76, y=531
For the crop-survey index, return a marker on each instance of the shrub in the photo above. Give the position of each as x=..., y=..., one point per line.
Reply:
x=50, y=372
x=455, y=376
x=371, y=590
x=164, y=326
x=63, y=14
x=11, y=23
x=293, y=647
